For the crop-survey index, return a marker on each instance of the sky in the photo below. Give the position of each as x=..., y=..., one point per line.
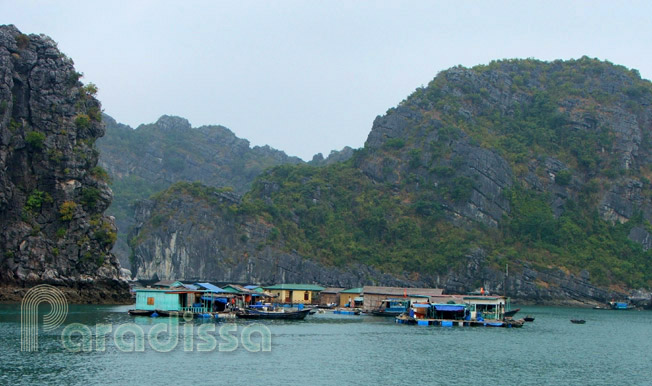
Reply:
x=311, y=76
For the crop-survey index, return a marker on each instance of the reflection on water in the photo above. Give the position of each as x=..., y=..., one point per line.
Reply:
x=613, y=347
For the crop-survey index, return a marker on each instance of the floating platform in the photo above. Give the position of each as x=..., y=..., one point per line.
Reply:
x=460, y=323
x=346, y=312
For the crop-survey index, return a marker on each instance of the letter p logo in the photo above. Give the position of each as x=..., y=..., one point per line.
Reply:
x=42, y=293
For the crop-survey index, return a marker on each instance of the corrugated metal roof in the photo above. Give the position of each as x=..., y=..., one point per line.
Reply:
x=168, y=283
x=332, y=290
x=295, y=287
x=256, y=288
x=210, y=287
x=400, y=291
x=352, y=291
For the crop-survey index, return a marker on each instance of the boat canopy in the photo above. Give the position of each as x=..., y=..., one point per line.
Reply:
x=449, y=307
x=421, y=305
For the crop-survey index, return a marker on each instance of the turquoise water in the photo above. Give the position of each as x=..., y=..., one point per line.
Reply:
x=612, y=348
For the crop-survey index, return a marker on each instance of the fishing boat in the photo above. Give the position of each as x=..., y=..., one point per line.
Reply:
x=170, y=313
x=250, y=313
x=621, y=306
x=140, y=312
x=578, y=321
x=528, y=318
x=511, y=313
x=391, y=307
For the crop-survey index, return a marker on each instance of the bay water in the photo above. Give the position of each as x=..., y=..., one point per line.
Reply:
x=612, y=348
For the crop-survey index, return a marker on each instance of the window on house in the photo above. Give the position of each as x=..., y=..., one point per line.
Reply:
x=306, y=296
x=150, y=301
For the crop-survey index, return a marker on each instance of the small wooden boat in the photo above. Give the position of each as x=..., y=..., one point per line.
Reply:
x=285, y=315
x=511, y=313
x=528, y=318
x=140, y=312
x=177, y=314
x=405, y=319
x=225, y=315
x=578, y=321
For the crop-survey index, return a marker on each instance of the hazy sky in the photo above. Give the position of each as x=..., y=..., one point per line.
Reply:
x=311, y=76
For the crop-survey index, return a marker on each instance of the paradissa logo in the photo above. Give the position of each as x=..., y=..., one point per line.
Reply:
x=164, y=337
x=131, y=337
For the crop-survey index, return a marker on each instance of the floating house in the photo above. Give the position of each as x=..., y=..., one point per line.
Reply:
x=489, y=307
x=330, y=296
x=180, y=300
x=351, y=298
x=487, y=311
x=295, y=293
x=375, y=296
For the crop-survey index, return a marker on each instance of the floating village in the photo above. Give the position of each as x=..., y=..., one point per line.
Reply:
x=415, y=306
x=418, y=306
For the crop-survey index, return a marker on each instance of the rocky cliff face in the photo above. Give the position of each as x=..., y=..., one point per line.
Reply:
x=152, y=157
x=540, y=166
x=203, y=238
x=52, y=197
x=175, y=237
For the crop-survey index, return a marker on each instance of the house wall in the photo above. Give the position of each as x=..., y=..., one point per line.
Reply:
x=344, y=298
x=301, y=297
x=293, y=297
x=325, y=299
x=157, y=300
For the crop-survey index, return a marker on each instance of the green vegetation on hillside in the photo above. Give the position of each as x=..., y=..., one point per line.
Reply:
x=336, y=215
x=578, y=239
x=402, y=206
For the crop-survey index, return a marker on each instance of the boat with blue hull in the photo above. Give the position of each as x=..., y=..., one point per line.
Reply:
x=621, y=306
x=391, y=307
x=347, y=311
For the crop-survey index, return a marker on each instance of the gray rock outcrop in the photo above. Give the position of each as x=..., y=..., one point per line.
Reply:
x=51, y=198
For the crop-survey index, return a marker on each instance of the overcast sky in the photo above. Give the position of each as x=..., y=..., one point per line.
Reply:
x=311, y=76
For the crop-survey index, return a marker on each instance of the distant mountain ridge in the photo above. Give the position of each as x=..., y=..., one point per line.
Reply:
x=539, y=166
x=150, y=158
